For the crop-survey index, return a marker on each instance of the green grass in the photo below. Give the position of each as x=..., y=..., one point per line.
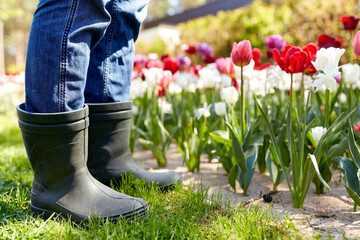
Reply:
x=179, y=214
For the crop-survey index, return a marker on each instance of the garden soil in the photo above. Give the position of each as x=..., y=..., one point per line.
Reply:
x=330, y=213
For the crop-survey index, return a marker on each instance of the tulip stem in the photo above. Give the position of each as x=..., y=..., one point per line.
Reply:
x=327, y=108
x=302, y=98
x=350, y=49
x=350, y=97
x=290, y=94
x=242, y=104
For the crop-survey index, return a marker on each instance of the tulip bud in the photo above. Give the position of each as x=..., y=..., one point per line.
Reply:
x=350, y=22
x=220, y=108
x=317, y=133
x=229, y=95
x=357, y=44
x=241, y=53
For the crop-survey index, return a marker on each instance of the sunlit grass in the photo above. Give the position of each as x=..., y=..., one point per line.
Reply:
x=180, y=214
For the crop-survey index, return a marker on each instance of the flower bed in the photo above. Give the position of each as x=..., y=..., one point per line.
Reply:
x=295, y=116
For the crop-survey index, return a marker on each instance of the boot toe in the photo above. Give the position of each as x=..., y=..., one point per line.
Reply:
x=169, y=180
x=136, y=209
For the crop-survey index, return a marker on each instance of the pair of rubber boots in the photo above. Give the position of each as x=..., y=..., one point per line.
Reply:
x=75, y=155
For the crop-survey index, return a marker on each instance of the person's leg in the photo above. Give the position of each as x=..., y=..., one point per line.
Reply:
x=107, y=93
x=111, y=61
x=62, y=34
x=54, y=122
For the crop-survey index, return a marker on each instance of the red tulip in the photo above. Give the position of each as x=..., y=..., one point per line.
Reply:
x=257, y=59
x=326, y=41
x=171, y=64
x=292, y=59
x=311, y=50
x=161, y=92
x=189, y=49
x=350, y=22
x=356, y=44
x=256, y=53
x=194, y=70
x=209, y=58
x=241, y=53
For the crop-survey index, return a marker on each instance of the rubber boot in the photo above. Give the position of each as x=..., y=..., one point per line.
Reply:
x=57, y=145
x=109, y=152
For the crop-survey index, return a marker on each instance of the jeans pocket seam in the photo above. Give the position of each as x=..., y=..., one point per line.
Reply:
x=64, y=55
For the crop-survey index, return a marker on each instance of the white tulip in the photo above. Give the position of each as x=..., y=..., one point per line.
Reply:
x=226, y=81
x=184, y=79
x=351, y=73
x=164, y=106
x=220, y=108
x=327, y=56
x=174, y=88
x=327, y=65
x=191, y=87
x=135, y=110
x=343, y=98
x=327, y=78
x=278, y=78
x=209, y=76
x=297, y=81
x=204, y=111
x=137, y=88
x=317, y=133
x=230, y=95
x=151, y=75
x=247, y=71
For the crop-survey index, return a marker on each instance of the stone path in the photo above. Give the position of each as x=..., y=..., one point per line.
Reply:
x=331, y=212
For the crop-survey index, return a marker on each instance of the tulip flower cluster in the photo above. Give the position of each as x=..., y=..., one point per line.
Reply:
x=287, y=112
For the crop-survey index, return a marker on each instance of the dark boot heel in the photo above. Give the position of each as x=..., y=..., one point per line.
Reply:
x=109, y=152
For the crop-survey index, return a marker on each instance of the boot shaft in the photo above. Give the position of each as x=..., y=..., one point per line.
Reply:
x=56, y=144
x=109, y=133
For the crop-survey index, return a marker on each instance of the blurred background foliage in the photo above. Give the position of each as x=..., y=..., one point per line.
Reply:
x=299, y=21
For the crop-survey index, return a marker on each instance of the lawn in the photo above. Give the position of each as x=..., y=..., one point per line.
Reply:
x=180, y=214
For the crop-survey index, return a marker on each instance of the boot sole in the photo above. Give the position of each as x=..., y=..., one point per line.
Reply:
x=46, y=214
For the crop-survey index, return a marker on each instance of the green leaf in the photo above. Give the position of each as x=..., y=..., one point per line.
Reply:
x=233, y=176
x=273, y=139
x=221, y=136
x=261, y=159
x=273, y=164
x=316, y=167
x=351, y=178
x=326, y=174
x=338, y=124
x=237, y=150
x=250, y=155
x=169, y=138
x=337, y=149
x=353, y=148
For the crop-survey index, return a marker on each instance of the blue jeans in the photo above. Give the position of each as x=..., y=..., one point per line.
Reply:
x=81, y=51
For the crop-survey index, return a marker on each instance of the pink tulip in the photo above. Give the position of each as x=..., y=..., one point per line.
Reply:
x=241, y=53
x=164, y=79
x=229, y=67
x=220, y=64
x=357, y=44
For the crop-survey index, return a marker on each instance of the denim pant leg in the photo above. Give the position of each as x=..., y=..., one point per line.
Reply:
x=61, y=36
x=112, y=59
